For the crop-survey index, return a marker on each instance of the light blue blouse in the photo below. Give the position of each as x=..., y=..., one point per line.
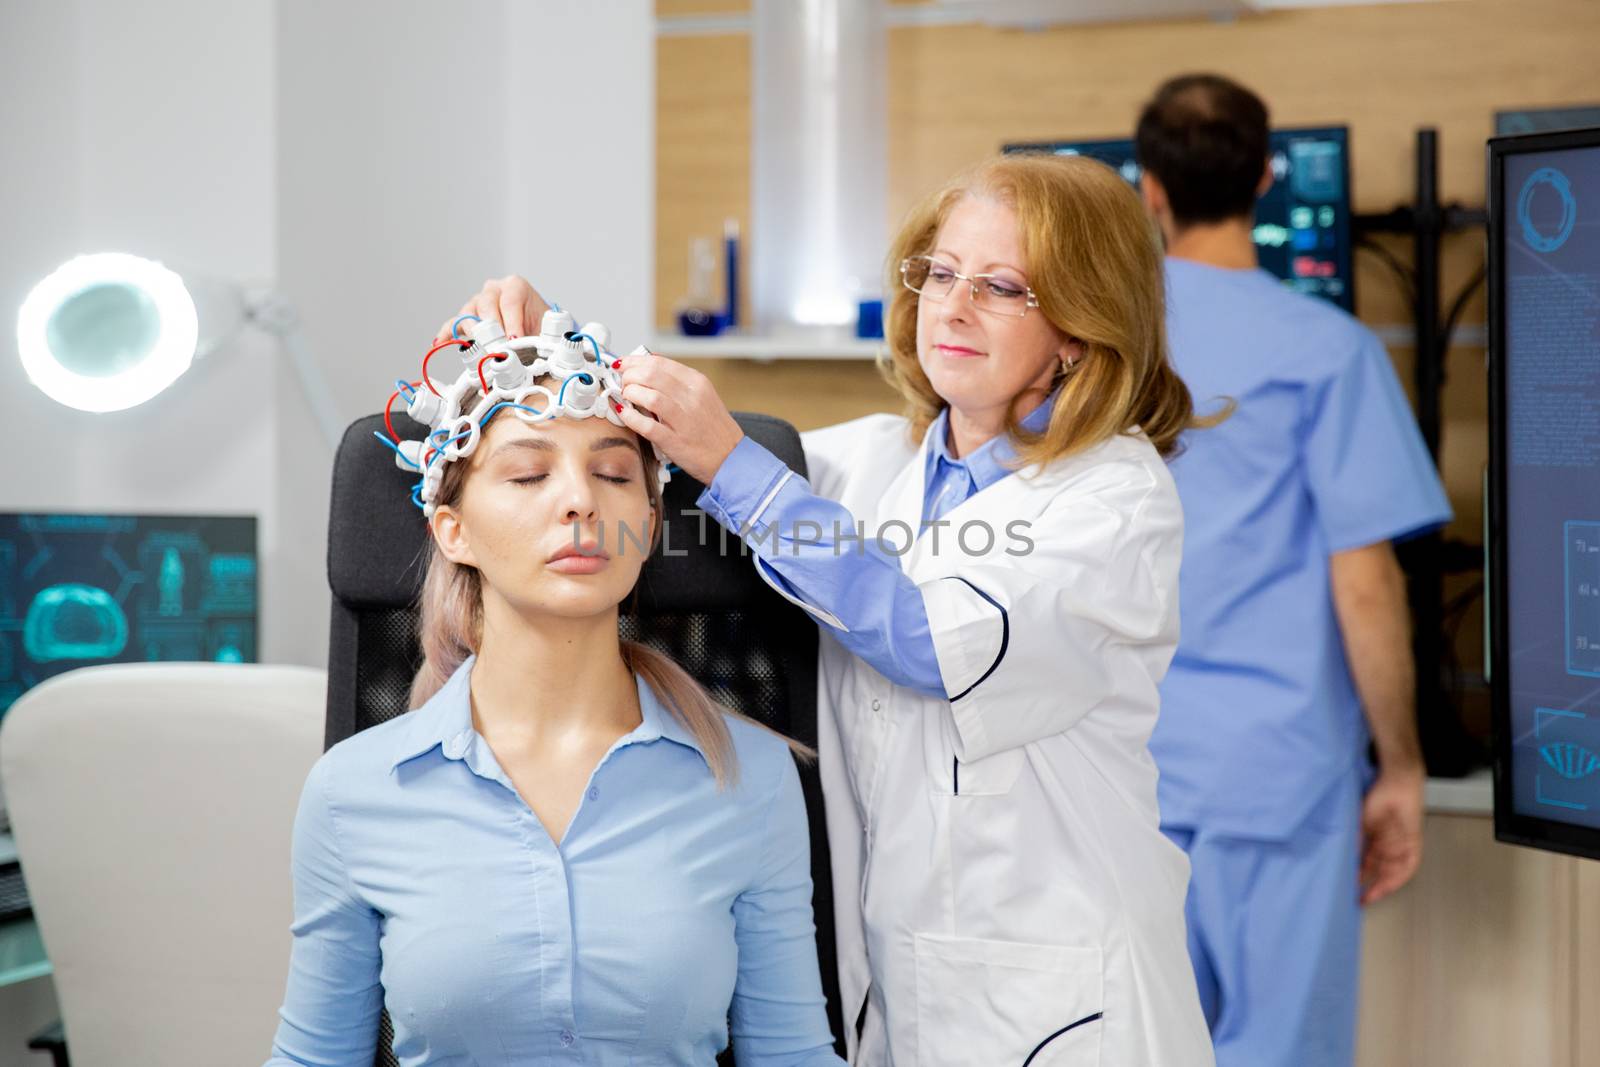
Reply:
x=670, y=910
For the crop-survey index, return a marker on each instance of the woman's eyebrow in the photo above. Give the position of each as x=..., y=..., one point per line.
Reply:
x=941, y=253
x=537, y=444
x=610, y=442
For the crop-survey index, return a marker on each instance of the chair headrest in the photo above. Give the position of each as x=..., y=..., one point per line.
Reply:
x=377, y=538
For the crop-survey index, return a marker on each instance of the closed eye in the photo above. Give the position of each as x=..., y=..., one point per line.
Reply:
x=613, y=479
x=528, y=479
x=1003, y=290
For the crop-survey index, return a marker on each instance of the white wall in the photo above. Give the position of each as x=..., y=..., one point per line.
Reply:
x=391, y=172
x=582, y=208
x=425, y=148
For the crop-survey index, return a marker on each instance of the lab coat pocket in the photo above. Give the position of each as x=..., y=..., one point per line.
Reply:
x=1007, y=1003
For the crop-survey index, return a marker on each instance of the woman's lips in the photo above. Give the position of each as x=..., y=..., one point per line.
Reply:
x=578, y=564
x=958, y=351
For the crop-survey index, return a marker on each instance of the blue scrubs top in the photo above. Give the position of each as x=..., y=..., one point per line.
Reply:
x=1259, y=714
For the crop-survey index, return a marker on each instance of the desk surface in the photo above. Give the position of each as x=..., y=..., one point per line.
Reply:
x=1472, y=795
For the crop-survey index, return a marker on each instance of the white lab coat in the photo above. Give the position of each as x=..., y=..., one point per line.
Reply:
x=998, y=869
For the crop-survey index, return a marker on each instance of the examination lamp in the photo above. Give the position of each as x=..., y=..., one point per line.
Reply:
x=108, y=331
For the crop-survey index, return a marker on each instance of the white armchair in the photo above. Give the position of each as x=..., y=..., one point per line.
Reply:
x=152, y=806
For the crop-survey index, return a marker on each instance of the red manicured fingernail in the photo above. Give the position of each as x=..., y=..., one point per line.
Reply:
x=618, y=407
x=616, y=364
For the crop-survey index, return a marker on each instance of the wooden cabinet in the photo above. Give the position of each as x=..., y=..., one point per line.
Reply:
x=1490, y=957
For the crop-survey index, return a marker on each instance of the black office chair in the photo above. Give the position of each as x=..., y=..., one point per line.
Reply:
x=752, y=650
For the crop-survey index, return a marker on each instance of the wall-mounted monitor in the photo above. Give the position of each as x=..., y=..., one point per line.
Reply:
x=1302, y=224
x=81, y=590
x=1544, y=488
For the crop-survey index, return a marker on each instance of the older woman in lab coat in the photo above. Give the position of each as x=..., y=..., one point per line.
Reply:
x=996, y=577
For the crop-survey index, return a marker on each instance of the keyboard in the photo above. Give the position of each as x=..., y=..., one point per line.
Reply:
x=14, y=903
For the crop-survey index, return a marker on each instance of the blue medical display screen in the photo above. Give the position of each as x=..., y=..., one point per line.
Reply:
x=1545, y=518
x=1302, y=227
x=81, y=590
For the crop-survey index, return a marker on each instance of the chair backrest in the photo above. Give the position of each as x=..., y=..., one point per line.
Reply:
x=699, y=601
x=153, y=806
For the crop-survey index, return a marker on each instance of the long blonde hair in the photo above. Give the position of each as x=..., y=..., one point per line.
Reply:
x=1095, y=263
x=450, y=609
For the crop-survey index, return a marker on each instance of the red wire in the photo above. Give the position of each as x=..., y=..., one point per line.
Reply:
x=387, y=423
x=443, y=344
x=481, y=379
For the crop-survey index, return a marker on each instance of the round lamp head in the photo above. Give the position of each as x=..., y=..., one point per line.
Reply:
x=107, y=331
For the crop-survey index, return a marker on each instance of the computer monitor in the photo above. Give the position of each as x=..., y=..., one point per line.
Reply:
x=1302, y=227
x=1544, y=488
x=1546, y=119
x=80, y=590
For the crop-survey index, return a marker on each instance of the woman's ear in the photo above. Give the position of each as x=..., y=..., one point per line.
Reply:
x=450, y=534
x=1071, y=353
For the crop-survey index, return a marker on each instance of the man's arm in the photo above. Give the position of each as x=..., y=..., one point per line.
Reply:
x=1369, y=598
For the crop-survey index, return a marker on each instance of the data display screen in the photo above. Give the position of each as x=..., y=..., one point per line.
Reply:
x=80, y=590
x=1545, y=487
x=1302, y=223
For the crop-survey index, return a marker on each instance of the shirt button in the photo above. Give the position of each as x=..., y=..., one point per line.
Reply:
x=567, y=1038
x=594, y=792
x=877, y=705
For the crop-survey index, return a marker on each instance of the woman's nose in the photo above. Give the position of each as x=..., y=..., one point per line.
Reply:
x=580, y=500
x=957, y=303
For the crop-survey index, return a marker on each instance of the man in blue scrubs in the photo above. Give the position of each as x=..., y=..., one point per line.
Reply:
x=1295, y=649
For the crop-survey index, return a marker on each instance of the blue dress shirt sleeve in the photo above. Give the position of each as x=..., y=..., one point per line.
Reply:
x=1369, y=472
x=813, y=548
x=778, y=1017
x=330, y=1010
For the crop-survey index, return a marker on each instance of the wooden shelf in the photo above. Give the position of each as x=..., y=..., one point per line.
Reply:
x=742, y=346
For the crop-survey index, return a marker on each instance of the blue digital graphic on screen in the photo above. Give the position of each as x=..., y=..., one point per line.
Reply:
x=81, y=590
x=1550, y=232
x=1302, y=224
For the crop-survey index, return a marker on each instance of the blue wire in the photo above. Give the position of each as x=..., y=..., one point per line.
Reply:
x=405, y=388
x=382, y=437
x=439, y=450
x=586, y=380
x=455, y=327
x=597, y=356
x=507, y=404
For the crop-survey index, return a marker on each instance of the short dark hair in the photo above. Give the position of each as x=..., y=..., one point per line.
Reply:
x=1205, y=139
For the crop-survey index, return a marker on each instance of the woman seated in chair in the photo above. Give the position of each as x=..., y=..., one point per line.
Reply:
x=567, y=853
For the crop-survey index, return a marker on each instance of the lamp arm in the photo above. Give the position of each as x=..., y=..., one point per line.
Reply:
x=273, y=313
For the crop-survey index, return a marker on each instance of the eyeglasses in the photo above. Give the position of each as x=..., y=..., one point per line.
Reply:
x=927, y=277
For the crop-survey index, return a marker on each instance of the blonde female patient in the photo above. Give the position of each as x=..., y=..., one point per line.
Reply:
x=566, y=853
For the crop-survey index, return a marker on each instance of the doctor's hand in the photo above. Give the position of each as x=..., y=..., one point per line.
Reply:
x=511, y=301
x=683, y=416
x=1391, y=831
